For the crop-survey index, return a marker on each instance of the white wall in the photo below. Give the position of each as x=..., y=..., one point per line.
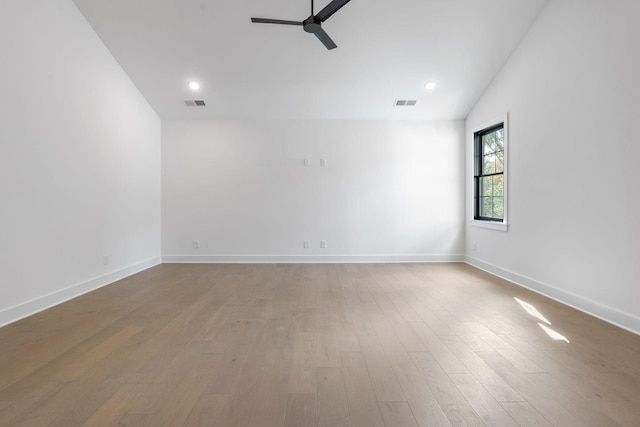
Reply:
x=79, y=161
x=389, y=191
x=572, y=92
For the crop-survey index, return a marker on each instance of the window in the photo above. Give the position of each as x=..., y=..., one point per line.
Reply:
x=489, y=174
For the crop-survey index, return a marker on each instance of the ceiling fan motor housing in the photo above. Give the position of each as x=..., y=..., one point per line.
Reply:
x=311, y=24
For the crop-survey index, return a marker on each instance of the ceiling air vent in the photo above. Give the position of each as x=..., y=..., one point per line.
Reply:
x=196, y=103
x=405, y=103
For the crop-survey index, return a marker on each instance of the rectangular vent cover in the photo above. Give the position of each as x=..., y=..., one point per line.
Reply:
x=405, y=103
x=195, y=103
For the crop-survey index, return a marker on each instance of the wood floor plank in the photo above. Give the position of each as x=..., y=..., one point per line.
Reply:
x=327, y=354
x=269, y=406
x=408, y=337
x=47, y=372
x=487, y=408
x=173, y=328
x=588, y=383
x=302, y=378
x=521, y=361
x=225, y=372
x=469, y=337
x=149, y=371
x=29, y=405
x=346, y=339
x=628, y=384
x=53, y=398
x=206, y=412
x=180, y=402
x=16, y=370
x=422, y=402
x=87, y=400
x=447, y=360
x=217, y=318
x=115, y=407
x=624, y=413
x=39, y=420
x=150, y=400
x=431, y=318
x=301, y=410
x=397, y=414
x=525, y=414
x=557, y=403
x=361, y=398
x=383, y=379
x=79, y=367
x=135, y=420
x=488, y=377
x=455, y=407
x=332, y=399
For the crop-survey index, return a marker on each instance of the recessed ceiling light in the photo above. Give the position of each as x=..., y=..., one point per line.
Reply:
x=430, y=85
x=193, y=85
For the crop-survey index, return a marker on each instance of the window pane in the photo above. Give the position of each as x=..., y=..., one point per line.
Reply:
x=485, y=187
x=493, y=141
x=499, y=138
x=487, y=146
x=492, y=186
x=493, y=152
x=489, y=143
x=497, y=182
x=499, y=161
x=488, y=164
x=498, y=207
x=486, y=207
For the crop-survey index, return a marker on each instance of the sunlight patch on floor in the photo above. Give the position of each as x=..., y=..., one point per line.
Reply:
x=556, y=336
x=529, y=308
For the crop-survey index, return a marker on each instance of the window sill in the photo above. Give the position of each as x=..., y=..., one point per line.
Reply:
x=500, y=226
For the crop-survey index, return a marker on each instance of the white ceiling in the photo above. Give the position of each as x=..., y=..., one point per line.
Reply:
x=387, y=50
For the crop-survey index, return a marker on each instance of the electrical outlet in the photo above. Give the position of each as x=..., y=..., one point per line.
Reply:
x=323, y=163
x=475, y=247
x=196, y=244
x=305, y=244
x=323, y=244
x=307, y=163
x=105, y=259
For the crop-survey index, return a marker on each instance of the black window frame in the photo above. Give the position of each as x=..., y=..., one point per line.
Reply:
x=478, y=154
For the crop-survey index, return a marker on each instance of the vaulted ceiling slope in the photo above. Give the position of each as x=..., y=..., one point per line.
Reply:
x=387, y=50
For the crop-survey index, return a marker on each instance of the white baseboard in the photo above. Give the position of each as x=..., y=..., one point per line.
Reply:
x=304, y=259
x=20, y=311
x=603, y=312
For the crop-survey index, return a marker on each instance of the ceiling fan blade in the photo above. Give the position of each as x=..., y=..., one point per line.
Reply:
x=274, y=21
x=330, y=9
x=325, y=39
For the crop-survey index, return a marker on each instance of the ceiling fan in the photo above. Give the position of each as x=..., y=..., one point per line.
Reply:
x=313, y=24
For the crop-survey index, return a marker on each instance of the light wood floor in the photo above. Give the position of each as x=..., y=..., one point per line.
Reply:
x=316, y=345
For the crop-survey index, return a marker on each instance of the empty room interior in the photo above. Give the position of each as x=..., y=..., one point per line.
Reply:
x=331, y=213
